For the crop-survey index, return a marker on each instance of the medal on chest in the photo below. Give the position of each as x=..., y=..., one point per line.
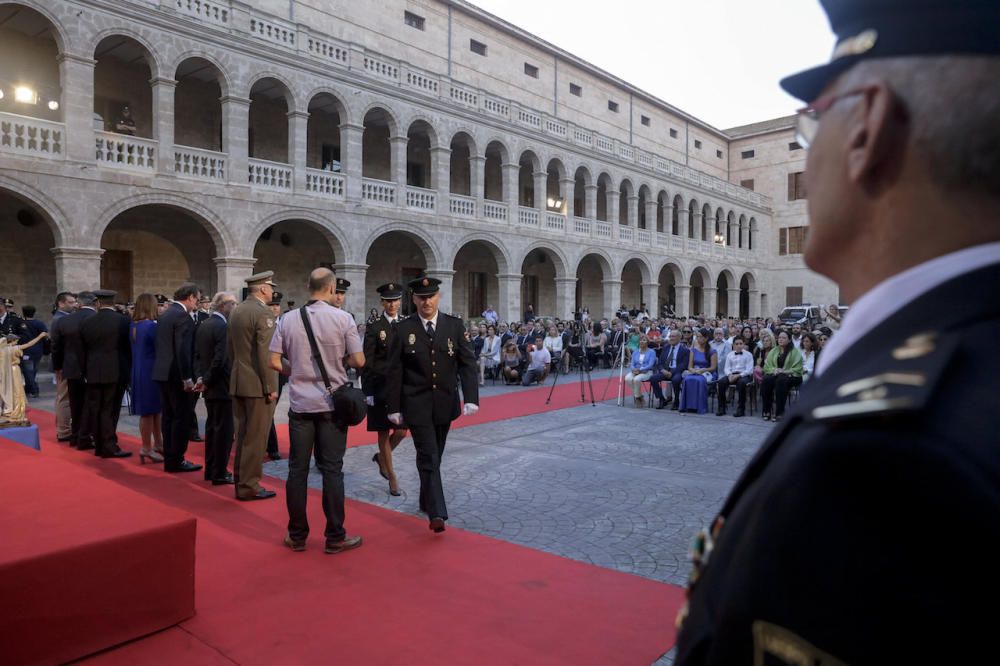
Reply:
x=412, y=340
x=451, y=347
x=381, y=335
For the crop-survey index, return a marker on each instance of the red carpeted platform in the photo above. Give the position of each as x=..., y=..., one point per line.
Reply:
x=86, y=563
x=406, y=596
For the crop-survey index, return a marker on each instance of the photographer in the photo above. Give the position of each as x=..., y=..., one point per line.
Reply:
x=538, y=363
x=573, y=346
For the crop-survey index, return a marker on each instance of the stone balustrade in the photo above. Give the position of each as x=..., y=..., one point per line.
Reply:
x=121, y=151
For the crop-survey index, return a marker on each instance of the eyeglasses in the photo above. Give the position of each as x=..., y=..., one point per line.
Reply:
x=687, y=330
x=807, y=121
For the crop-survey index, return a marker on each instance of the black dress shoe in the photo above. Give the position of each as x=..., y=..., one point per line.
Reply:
x=274, y=455
x=436, y=525
x=184, y=466
x=195, y=438
x=739, y=413
x=85, y=447
x=227, y=480
x=114, y=453
x=64, y=439
x=380, y=470
x=673, y=407
x=262, y=494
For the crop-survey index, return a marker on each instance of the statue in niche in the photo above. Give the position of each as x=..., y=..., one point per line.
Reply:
x=13, y=402
x=126, y=123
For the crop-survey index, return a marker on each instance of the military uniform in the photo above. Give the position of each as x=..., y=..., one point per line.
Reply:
x=252, y=380
x=379, y=336
x=422, y=379
x=12, y=324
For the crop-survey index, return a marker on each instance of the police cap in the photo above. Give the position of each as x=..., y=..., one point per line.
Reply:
x=390, y=291
x=105, y=294
x=342, y=286
x=424, y=286
x=276, y=298
x=867, y=29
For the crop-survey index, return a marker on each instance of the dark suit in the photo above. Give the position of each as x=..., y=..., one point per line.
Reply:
x=379, y=337
x=615, y=341
x=212, y=365
x=68, y=357
x=107, y=369
x=422, y=379
x=885, y=467
x=174, y=364
x=663, y=367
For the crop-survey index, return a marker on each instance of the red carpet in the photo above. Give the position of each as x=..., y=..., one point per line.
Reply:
x=86, y=563
x=406, y=597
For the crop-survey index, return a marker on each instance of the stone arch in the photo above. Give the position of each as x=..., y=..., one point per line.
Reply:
x=60, y=35
x=752, y=233
x=499, y=144
x=392, y=119
x=559, y=259
x=344, y=110
x=528, y=165
x=493, y=243
x=225, y=78
x=699, y=279
x=496, y=155
x=604, y=260
x=289, y=95
x=422, y=122
x=292, y=243
x=645, y=269
x=462, y=148
x=668, y=275
x=432, y=254
x=153, y=57
x=198, y=113
x=329, y=230
x=469, y=136
x=478, y=261
x=584, y=173
x=741, y=237
x=693, y=212
x=55, y=217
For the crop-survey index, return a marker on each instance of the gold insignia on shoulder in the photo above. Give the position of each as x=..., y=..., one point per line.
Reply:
x=870, y=383
x=770, y=640
x=381, y=335
x=412, y=339
x=915, y=347
x=860, y=408
x=270, y=322
x=856, y=45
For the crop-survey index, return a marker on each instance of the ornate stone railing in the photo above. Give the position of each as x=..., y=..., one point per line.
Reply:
x=31, y=136
x=462, y=206
x=327, y=184
x=643, y=237
x=497, y=212
x=527, y=217
x=199, y=163
x=419, y=198
x=625, y=234
x=555, y=222
x=581, y=225
x=378, y=191
x=126, y=152
x=602, y=229
x=208, y=11
x=273, y=176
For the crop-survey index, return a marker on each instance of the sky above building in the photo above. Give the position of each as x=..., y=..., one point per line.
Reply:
x=719, y=60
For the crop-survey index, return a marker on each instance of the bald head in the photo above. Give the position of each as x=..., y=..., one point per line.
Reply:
x=321, y=281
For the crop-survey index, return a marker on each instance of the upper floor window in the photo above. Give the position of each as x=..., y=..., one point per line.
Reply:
x=796, y=186
x=477, y=47
x=697, y=144
x=575, y=90
x=748, y=154
x=413, y=20
x=794, y=145
x=531, y=70
x=644, y=120
x=718, y=153
x=748, y=184
x=673, y=133
x=612, y=106
x=791, y=240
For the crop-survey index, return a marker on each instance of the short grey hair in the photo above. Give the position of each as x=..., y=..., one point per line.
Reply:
x=220, y=299
x=86, y=298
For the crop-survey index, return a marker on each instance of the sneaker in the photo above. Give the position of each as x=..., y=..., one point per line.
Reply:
x=296, y=546
x=348, y=543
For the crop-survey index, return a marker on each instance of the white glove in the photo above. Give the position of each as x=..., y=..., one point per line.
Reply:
x=470, y=409
x=370, y=400
x=396, y=418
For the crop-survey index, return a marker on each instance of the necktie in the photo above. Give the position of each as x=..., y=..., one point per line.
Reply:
x=430, y=329
x=673, y=356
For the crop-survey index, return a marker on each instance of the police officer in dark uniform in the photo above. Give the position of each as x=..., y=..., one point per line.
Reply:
x=107, y=369
x=340, y=288
x=429, y=357
x=10, y=322
x=379, y=336
x=867, y=528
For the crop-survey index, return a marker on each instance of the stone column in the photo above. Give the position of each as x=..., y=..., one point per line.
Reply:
x=683, y=305
x=651, y=207
x=651, y=297
x=591, y=202
x=565, y=297
x=613, y=200
x=541, y=179
x=567, y=189
x=351, y=151
x=298, y=147
x=441, y=179
x=709, y=297
x=511, y=196
x=235, y=138
x=163, y=122
x=733, y=303
x=77, y=104
x=509, y=305
x=78, y=268
x=633, y=211
x=446, y=304
x=754, y=309
x=357, y=294
x=232, y=272
x=612, y=297
x=397, y=146
x=477, y=173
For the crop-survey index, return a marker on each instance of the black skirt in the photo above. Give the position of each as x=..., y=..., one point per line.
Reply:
x=378, y=418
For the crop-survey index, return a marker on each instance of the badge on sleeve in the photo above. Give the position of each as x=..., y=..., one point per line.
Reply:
x=412, y=340
x=270, y=322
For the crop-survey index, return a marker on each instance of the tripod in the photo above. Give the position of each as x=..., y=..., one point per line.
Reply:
x=583, y=368
x=620, y=363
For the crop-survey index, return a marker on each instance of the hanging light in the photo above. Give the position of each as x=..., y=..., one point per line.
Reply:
x=1, y=93
x=555, y=202
x=53, y=105
x=25, y=95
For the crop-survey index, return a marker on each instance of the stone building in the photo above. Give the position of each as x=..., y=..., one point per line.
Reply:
x=382, y=139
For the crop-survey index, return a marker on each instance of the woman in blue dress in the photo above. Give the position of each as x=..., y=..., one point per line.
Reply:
x=145, y=392
x=701, y=371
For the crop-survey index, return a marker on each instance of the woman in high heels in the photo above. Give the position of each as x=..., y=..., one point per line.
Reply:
x=145, y=393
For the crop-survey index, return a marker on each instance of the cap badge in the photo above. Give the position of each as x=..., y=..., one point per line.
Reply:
x=392, y=287
x=856, y=45
x=426, y=282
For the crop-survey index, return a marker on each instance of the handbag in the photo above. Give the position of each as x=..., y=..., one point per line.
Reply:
x=349, y=405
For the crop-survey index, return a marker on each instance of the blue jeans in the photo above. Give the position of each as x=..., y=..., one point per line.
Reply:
x=29, y=368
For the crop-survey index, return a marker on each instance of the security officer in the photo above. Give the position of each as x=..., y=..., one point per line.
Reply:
x=427, y=359
x=866, y=529
x=253, y=384
x=379, y=337
x=107, y=369
x=340, y=293
x=10, y=323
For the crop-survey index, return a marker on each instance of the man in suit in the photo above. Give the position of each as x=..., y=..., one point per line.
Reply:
x=67, y=362
x=253, y=384
x=428, y=358
x=65, y=305
x=379, y=337
x=107, y=369
x=827, y=547
x=213, y=370
x=672, y=364
x=174, y=372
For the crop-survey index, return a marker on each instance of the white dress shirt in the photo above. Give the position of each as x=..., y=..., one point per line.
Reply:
x=740, y=363
x=892, y=294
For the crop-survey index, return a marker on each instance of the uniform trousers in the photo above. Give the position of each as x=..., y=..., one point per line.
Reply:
x=64, y=422
x=218, y=438
x=429, y=440
x=253, y=419
x=102, y=404
x=75, y=390
x=175, y=422
x=323, y=436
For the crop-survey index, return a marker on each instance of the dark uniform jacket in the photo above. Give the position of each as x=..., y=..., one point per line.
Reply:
x=107, y=352
x=67, y=346
x=423, y=374
x=867, y=528
x=378, y=338
x=14, y=325
x=174, y=345
x=210, y=360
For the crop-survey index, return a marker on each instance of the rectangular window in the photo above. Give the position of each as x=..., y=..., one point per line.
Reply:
x=612, y=106
x=796, y=186
x=718, y=154
x=575, y=90
x=413, y=20
x=794, y=145
x=644, y=120
x=791, y=240
x=673, y=133
x=477, y=47
x=748, y=184
x=697, y=144
x=531, y=70
x=748, y=154
x=793, y=296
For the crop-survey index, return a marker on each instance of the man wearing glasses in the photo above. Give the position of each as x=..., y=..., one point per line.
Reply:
x=888, y=465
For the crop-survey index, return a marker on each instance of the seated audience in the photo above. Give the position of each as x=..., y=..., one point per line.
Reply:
x=489, y=354
x=739, y=373
x=554, y=343
x=510, y=362
x=702, y=365
x=642, y=365
x=782, y=372
x=672, y=363
x=594, y=345
x=808, y=352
